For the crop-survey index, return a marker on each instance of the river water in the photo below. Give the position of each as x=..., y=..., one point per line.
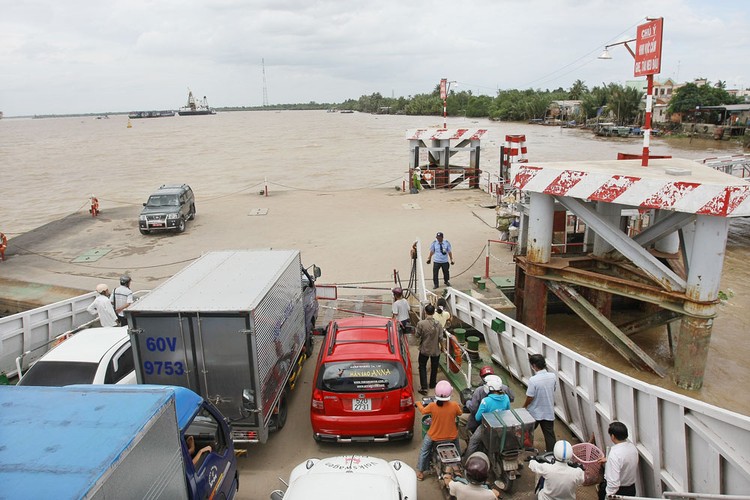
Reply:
x=50, y=168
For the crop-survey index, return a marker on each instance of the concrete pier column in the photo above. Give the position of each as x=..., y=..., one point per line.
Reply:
x=541, y=219
x=539, y=250
x=704, y=277
x=612, y=212
x=671, y=242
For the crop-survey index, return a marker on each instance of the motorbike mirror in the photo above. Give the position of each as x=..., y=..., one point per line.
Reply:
x=277, y=495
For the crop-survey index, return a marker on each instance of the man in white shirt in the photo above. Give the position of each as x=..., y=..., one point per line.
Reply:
x=561, y=479
x=122, y=298
x=540, y=398
x=400, y=310
x=621, y=466
x=102, y=307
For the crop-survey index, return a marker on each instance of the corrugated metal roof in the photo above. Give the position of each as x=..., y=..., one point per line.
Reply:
x=225, y=281
x=58, y=441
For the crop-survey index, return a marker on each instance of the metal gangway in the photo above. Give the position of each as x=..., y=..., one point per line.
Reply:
x=685, y=445
x=736, y=165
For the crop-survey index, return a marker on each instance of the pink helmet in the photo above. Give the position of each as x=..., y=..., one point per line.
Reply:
x=443, y=390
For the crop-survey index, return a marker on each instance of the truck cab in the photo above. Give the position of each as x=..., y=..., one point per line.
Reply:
x=213, y=471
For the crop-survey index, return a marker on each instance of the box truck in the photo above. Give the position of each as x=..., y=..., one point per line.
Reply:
x=230, y=326
x=106, y=441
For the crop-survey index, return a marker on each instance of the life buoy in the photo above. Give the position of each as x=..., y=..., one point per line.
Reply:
x=3, y=245
x=428, y=176
x=94, y=207
x=454, y=363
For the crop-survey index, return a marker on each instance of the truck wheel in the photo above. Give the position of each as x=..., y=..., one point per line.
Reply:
x=283, y=411
x=191, y=215
x=181, y=226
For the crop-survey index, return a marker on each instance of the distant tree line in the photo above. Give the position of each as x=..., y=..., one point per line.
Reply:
x=619, y=103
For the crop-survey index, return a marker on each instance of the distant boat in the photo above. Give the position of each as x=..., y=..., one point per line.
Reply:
x=346, y=111
x=194, y=107
x=151, y=114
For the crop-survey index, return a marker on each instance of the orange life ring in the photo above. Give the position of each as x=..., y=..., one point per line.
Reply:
x=428, y=176
x=454, y=363
x=3, y=245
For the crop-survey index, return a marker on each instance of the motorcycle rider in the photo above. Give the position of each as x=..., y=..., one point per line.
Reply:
x=479, y=394
x=559, y=480
x=496, y=400
x=477, y=470
x=443, y=426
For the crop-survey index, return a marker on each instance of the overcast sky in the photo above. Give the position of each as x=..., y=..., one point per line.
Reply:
x=76, y=56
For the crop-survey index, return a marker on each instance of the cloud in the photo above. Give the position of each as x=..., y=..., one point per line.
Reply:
x=82, y=56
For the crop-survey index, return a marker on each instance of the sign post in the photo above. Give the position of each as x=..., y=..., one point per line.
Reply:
x=648, y=63
x=444, y=97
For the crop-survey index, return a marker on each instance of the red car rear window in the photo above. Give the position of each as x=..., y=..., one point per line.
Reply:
x=362, y=376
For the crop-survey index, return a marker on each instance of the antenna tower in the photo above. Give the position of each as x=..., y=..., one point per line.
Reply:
x=265, y=88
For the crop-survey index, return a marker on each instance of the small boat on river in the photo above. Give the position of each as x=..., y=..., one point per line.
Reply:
x=196, y=107
x=151, y=114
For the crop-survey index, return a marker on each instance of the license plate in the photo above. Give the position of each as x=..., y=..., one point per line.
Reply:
x=362, y=404
x=158, y=224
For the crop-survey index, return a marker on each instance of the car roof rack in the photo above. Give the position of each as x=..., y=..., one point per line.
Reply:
x=336, y=341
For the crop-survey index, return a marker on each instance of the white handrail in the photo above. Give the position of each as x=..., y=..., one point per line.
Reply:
x=684, y=444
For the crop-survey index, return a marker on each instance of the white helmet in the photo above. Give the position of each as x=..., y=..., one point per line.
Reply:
x=563, y=451
x=493, y=382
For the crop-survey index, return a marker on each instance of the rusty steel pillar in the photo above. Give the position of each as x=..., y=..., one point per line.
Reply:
x=704, y=276
x=539, y=250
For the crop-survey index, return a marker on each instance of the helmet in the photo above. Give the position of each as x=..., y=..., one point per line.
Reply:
x=477, y=467
x=124, y=280
x=101, y=288
x=494, y=383
x=486, y=370
x=397, y=291
x=563, y=451
x=443, y=390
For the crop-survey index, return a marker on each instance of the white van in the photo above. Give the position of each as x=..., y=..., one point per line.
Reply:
x=91, y=356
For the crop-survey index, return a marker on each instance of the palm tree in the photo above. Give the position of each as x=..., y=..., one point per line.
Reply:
x=578, y=90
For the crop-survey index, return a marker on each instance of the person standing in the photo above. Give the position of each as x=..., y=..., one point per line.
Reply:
x=540, y=399
x=102, y=307
x=122, y=298
x=621, y=465
x=429, y=333
x=400, y=310
x=442, y=314
x=441, y=252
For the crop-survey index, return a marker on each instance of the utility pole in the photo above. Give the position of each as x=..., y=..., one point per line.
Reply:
x=265, y=88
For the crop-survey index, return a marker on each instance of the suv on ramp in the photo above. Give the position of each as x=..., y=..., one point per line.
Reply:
x=168, y=208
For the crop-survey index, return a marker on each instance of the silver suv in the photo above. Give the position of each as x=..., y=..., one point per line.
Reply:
x=167, y=209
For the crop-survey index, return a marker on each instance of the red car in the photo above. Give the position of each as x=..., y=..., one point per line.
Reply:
x=363, y=385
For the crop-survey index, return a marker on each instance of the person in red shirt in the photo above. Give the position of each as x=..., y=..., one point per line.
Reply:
x=444, y=413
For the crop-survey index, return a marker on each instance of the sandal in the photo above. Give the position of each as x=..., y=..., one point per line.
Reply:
x=420, y=475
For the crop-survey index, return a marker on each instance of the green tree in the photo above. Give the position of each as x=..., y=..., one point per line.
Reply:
x=577, y=90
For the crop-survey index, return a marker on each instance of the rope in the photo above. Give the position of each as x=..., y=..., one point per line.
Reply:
x=334, y=190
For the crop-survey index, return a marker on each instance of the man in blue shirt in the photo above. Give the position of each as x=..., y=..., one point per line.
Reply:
x=440, y=252
x=540, y=398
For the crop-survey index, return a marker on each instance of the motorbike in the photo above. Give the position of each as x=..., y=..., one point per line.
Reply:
x=507, y=440
x=444, y=454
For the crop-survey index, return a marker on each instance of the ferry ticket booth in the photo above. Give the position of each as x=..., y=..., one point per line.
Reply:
x=672, y=265
x=432, y=151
